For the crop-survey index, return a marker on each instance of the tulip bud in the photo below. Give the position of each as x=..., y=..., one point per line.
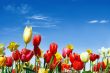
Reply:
x=36, y=40
x=16, y=55
x=9, y=61
x=84, y=57
x=27, y=35
x=2, y=61
x=53, y=48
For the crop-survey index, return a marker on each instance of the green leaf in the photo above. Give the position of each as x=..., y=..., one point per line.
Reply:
x=87, y=72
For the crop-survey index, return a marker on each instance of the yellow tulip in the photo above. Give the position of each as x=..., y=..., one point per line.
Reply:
x=1, y=49
x=70, y=46
x=27, y=35
x=89, y=51
x=84, y=57
x=42, y=70
x=2, y=61
x=13, y=46
x=58, y=56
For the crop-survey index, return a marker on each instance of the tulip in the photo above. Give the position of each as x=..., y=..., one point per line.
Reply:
x=58, y=56
x=98, y=66
x=38, y=52
x=47, y=56
x=53, y=48
x=16, y=55
x=27, y=35
x=66, y=52
x=42, y=70
x=84, y=57
x=9, y=61
x=65, y=66
x=13, y=46
x=89, y=51
x=26, y=55
x=93, y=57
x=73, y=57
x=78, y=65
x=36, y=40
x=2, y=61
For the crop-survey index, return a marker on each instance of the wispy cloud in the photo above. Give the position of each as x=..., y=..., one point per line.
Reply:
x=38, y=17
x=98, y=21
x=23, y=8
x=41, y=21
x=93, y=21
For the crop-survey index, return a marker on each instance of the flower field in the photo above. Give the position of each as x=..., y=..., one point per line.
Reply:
x=54, y=62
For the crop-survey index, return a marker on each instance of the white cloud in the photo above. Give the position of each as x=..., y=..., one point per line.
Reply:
x=44, y=26
x=103, y=21
x=93, y=21
x=38, y=17
x=22, y=9
x=98, y=21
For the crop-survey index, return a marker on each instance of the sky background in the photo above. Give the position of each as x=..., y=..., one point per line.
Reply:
x=83, y=23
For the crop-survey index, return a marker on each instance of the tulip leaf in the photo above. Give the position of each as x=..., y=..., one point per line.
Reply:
x=87, y=72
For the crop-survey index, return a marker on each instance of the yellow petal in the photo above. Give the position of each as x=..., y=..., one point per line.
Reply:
x=27, y=35
x=70, y=46
x=89, y=51
x=58, y=56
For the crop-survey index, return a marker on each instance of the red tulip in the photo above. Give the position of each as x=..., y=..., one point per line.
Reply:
x=9, y=61
x=47, y=56
x=93, y=57
x=26, y=55
x=36, y=40
x=74, y=57
x=37, y=51
x=16, y=55
x=53, y=48
x=66, y=52
x=98, y=66
x=54, y=63
x=78, y=65
x=65, y=66
x=97, y=56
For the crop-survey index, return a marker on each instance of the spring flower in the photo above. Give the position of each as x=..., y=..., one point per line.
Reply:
x=58, y=56
x=53, y=48
x=65, y=66
x=27, y=35
x=2, y=48
x=66, y=52
x=16, y=55
x=102, y=52
x=36, y=40
x=26, y=55
x=108, y=52
x=38, y=52
x=2, y=61
x=13, y=46
x=47, y=56
x=89, y=51
x=78, y=65
x=84, y=57
x=9, y=61
x=70, y=46
x=98, y=66
x=42, y=70
x=93, y=57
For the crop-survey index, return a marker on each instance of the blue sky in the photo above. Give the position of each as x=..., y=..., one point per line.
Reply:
x=83, y=23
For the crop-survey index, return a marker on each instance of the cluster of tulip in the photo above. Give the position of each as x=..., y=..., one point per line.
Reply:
x=54, y=62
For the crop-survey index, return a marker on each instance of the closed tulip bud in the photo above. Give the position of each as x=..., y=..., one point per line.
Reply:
x=9, y=61
x=84, y=57
x=16, y=55
x=36, y=40
x=27, y=35
x=53, y=48
x=2, y=61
